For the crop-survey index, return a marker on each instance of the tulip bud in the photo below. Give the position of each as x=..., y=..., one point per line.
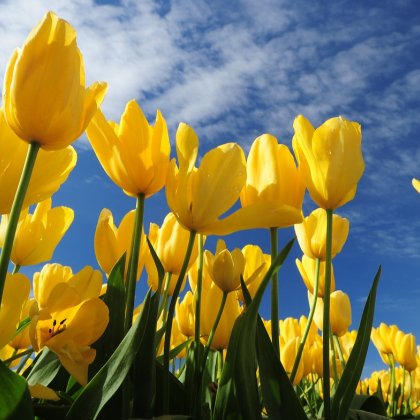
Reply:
x=406, y=350
x=227, y=269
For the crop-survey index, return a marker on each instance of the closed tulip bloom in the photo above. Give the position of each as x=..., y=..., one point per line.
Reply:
x=288, y=352
x=313, y=330
x=383, y=338
x=134, y=154
x=185, y=314
x=340, y=315
x=416, y=184
x=330, y=159
x=307, y=270
x=273, y=183
x=15, y=294
x=312, y=238
x=210, y=303
x=406, y=350
x=44, y=95
x=38, y=234
x=347, y=341
x=112, y=241
x=227, y=269
x=50, y=171
x=289, y=329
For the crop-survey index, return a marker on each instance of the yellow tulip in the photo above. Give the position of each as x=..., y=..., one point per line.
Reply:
x=340, y=315
x=69, y=332
x=227, y=269
x=68, y=315
x=43, y=392
x=416, y=184
x=383, y=338
x=330, y=159
x=15, y=294
x=273, y=183
x=37, y=234
x=289, y=329
x=185, y=314
x=311, y=234
x=316, y=355
x=313, y=331
x=134, y=154
x=307, y=270
x=44, y=95
x=211, y=300
x=256, y=266
x=347, y=341
x=208, y=259
x=406, y=350
x=111, y=242
x=50, y=171
x=288, y=352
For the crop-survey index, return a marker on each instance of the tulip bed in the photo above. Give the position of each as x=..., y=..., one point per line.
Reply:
x=78, y=348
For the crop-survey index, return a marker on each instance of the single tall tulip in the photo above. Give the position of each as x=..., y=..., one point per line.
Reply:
x=330, y=159
x=50, y=171
x=38, y=234
x=383, y=338
x=273, y=183
x=406, y=350
x=185, y=314
x=134, y=154
x=227, y=269
x=44, y=95
x=311, y=234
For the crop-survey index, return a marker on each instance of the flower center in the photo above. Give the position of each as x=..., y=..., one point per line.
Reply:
x=57, y=329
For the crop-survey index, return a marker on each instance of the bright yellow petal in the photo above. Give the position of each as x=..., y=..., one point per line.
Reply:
x=416, y=184
x=43, y=392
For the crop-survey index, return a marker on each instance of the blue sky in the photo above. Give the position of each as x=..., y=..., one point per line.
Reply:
x=235, y=70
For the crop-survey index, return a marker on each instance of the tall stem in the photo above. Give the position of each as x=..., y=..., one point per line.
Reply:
x=198, y=291
x=275, y=333
x=308, y=323
x=168, y=329
x=339, y=351
x=15, y=212
x=326, y=319
x=134, y=261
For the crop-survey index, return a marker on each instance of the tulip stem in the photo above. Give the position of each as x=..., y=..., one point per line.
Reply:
x=16, y=269
x=275, y=333
x=326, y=319
x=164, y=304
x=18, y=356
x=339, y=351
x=15, y=212
x=393, y=402
x=197, y=367
x=308, y=323
x=213, y=330
x=168, y=329
x=333, y=360
x=134, y=261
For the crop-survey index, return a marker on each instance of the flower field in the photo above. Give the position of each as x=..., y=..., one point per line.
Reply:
x=78, y=345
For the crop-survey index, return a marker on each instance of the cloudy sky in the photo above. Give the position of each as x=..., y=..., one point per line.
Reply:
x=235, y=70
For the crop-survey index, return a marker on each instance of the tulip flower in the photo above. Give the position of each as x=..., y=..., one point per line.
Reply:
x=406, y=350
x=50, y=171
x=340, y=315
x=307, y=270
x=383, y=338
x=211, y=301
x=68, y=316
x=330, y=159
x=311, y=234
x=416, y=184
x=134, y=154
x=207, y=281
x=185, y=315
x=38, y=234
x=112, y=241
x=288, y=354
x=227, y=269
x=15, y=294
x=22, y=340
x=44, y=95
x=273, y=183
x=347, y=341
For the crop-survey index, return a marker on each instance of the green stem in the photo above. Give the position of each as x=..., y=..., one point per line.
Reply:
x=16, y=269
x=23, y=362
x=326, y=319
x=197, y=346
x=393, y=403
x=164, y=304
x=339, y=351
x=275, y=333
x=168, y=330
x=15, y=212
x=134, y=260
x=402, y=391
x=333, y=360
x=213, y=330
x=219, y=364
x=18, y=355
x=308, y=323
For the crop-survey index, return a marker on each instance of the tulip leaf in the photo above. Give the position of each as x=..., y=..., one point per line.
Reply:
x=109, y=378
x=45, y=368
x=114, y=333
x=348, y=383
x=175, y=351
x=370, y=403
x=158, y=264
x=15, y=400
x=239, y=371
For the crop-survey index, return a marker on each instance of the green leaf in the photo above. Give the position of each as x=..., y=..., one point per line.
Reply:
x=110, y=377
x=22, y=325
x=114, y=333
x=175, y=351
x=45, y=369
x=370, y=403
x=348, y=383
x=239, y=371
x=15, y=400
